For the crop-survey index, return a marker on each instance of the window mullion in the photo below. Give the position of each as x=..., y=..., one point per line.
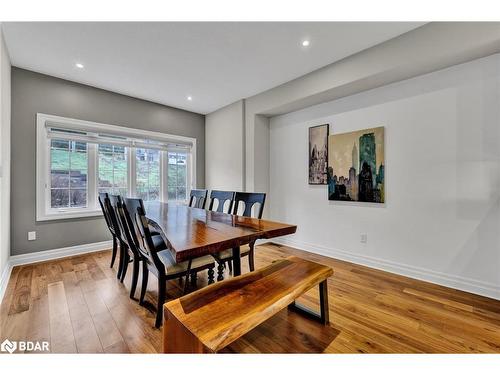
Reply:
x=92, y=175
x=132, y=177
x=163, y=176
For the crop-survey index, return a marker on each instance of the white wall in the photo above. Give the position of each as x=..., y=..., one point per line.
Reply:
x=4, y=157
x=434, y=46
x=441, y=220
x=224, y=137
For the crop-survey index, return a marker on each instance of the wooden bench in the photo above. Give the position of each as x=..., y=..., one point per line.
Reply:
x=211, y=318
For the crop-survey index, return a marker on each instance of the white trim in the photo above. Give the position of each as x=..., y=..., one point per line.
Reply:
x=63, y=252
x=92, y=210
x=96, y=127
x=4, y=280
x=451, y=281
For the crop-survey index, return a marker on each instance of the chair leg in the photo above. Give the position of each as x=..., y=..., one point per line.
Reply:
x=211, y=275
x=144, y=286
x=126, y=261
x=120, y=261
x=220, y=271
x=162, y=289
x=135, y=276
x=251, y=260
x=113, y=255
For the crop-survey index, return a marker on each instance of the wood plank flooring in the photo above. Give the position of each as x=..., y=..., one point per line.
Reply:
x=79, y=306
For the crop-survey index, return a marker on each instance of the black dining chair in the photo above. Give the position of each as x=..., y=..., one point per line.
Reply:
x=128, y=237
x=124, y=260
x=221, y=197
x=102, y=202
x=198, y=198
x=108, y=203
x=164, y=267
x=248, y=200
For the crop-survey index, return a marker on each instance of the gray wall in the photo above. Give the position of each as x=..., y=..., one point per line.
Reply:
x=33, y=93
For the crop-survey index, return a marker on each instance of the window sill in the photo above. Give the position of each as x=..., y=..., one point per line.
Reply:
x=68, y=215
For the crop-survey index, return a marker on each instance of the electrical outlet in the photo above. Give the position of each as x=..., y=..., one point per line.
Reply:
x=363, y=238
x=31, y=236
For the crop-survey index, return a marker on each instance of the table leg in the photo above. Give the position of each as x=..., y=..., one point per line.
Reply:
x=236, y=261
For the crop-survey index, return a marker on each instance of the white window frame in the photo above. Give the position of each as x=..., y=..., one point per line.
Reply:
x=43, y=210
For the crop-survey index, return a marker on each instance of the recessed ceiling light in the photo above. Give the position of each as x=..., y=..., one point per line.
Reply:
x=305, y=43
x=79, y=65
x=189, y=98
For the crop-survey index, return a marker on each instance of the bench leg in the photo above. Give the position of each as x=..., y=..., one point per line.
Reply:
x=323, y=316
x=177, y=338
x=323, y=302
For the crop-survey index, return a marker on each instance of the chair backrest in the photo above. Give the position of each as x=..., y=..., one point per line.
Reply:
x=114, y=200
x=101, y=198
x=113, y=225
x=221, y=197
x=128, y=234
x=249, y=199
x=131, y=206
x=146, y=246
x=198, y=198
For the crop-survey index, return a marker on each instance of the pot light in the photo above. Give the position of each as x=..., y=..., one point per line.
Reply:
x=79, y=65
x=305, y=43
x=190, y=98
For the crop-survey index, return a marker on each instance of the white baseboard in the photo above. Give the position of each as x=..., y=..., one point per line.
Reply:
x=42, y=256
x=452, y=281
x=4, y=280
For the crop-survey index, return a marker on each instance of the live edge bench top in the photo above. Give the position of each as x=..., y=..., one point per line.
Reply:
x=219, y=314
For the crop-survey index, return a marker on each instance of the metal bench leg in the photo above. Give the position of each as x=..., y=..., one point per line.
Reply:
x=323, y=316
x=323, y=302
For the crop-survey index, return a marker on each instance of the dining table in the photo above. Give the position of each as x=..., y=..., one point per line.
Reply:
x=192, y=232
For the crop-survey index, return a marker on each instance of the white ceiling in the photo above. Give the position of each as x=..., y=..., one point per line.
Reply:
x=215, y=63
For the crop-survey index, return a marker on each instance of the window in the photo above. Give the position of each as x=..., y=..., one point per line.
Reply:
x=177, y=176
x=78, y=159
x=148, y=174
x=68, y=174
x=113, y=169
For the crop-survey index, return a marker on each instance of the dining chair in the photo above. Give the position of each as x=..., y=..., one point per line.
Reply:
x=128, y=237
x=248, y=200
x=221, y=197
x=198, y=198
x=102, y=202
x=109, y=202
x=124, y=260
x=164, y=267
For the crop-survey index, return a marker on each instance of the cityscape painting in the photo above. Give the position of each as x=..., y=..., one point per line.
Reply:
x=318, y=154
x=356, y=169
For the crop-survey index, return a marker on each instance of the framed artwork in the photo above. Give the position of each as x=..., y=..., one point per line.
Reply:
x=318, y=154
x=356, y=170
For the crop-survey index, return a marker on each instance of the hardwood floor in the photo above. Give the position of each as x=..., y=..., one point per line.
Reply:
x=78, y=305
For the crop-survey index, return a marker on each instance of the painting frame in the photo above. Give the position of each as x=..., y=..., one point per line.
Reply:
x=356, y=166
x=313, y=178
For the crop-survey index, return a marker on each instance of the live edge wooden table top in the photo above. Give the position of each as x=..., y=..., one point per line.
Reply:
x=193, y=232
